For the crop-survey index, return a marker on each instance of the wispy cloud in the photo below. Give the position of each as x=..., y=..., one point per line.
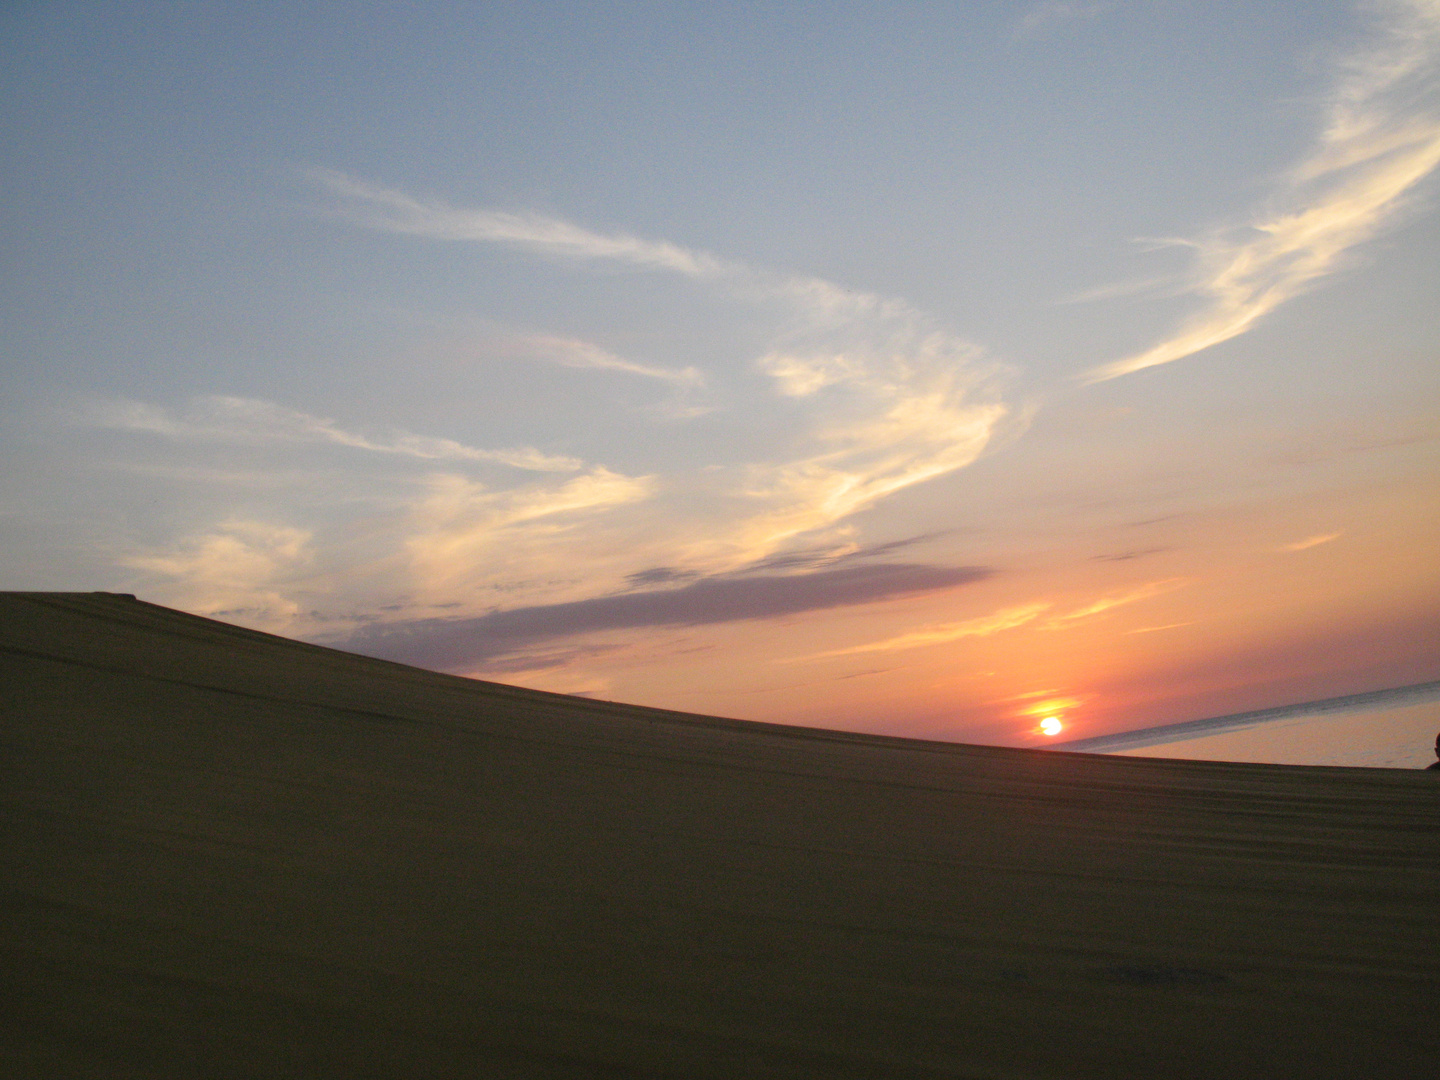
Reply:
x=236, y=419
x=877, y=397
x=1381, y=139
x=1052, y=12
x=827, y=555
x=1171, y=284
x=1005, y=619
x=1108, y=603
x=884, y=397
x=387, y=209
x=1126, y=556
x=1029, y=695
x=575, y=353
x=466, y=542
x=241, y=570
x=1310, y=542
x=940, y=633
x=895, y=400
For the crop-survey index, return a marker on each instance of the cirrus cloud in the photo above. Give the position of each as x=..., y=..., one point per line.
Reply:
x=220, y=418
x=1005, y=619
x=1381, y=139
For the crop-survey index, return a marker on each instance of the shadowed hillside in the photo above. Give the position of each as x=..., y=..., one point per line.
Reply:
x=227, y=854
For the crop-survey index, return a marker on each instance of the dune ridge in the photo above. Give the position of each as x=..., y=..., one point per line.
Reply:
x=227, y=854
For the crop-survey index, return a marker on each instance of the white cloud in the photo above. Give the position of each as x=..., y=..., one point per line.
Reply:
x=1381, y=139
x=895, y=401
x=376, y=207
x=575, y=353
x=464, y=539
x=219, y=418
x=884, y=397
x=877, y=397
x=1162, y=284
x=246, y=571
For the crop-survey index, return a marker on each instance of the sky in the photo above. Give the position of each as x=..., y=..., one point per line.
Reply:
x=925, y=369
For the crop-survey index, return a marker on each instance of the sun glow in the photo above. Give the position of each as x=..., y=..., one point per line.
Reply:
x=1051, y=725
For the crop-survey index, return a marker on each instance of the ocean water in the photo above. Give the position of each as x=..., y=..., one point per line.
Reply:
x=1392, y=729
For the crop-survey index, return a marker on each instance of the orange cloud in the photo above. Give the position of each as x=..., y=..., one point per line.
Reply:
x=937, y=634
x=1309, y=542
x=1105, y=603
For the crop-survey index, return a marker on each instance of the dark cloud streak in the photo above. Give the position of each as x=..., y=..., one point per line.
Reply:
x=449, y=643
x=1125, y=556
x=826, y=556
x=659, y=575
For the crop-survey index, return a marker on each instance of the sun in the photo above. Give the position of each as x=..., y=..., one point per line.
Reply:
x=1051, y=725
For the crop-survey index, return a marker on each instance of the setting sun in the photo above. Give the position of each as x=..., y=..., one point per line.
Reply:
x=1051, y=725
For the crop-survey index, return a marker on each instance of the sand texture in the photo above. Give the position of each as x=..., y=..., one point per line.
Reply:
x=231, y=855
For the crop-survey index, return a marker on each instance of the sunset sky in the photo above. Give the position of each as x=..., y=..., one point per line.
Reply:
x=921, y=368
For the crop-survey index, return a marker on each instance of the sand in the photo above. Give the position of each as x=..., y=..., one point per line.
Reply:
x=231, y=855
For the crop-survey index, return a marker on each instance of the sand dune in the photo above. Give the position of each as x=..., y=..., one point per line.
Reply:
x=231, y=855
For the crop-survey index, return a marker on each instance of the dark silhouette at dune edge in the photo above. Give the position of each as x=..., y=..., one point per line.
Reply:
x=227, y=854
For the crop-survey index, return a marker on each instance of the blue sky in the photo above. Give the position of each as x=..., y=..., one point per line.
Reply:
x=910, y=368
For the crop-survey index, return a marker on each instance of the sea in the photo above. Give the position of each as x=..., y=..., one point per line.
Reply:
x=1387, y=729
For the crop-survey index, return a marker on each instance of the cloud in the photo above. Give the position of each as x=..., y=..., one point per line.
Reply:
x=232, y=572
x=574, y=353
x=1107, y=603
x=829, y=555
x=939, y=633
x=541, y=659
x=430, y=535
x=219, y=418
x=1126, y=556
x=1309, y=542
x=451, y=643
x=1005, y=619
x=873, y=396
x=898, y=401
x=1029, y=695
x=881, y=398
x=1057, y=11
x=463, y=534
x=1051, y=705
x=1381, y=139
x=386, y=209
x=1163, y=283
x=658, y=575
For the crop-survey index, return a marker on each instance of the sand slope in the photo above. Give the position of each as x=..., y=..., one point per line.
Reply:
x=230, y=855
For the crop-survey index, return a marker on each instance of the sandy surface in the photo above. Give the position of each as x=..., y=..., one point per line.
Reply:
x=229, y=855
